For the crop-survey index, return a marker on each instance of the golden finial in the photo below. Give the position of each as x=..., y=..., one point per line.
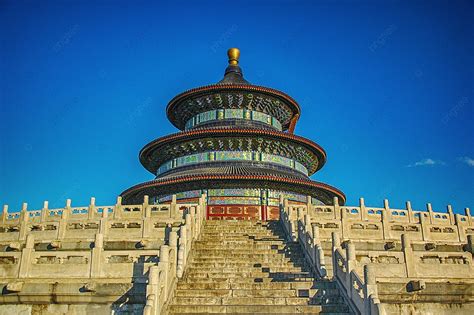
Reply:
x=233, y=54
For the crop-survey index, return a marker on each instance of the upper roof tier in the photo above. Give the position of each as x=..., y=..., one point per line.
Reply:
x=233, y=92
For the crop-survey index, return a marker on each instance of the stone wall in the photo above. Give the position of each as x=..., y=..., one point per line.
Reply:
x=389, y=260
x=84, y=260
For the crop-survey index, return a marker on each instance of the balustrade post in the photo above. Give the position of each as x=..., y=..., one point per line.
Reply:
x=67, y=209
x=336, y=208
x=173, y=243
x=5, y=214
x=316, y=236
x=363, y=210
x=118, y=208
x=181, y=251
x=24, y=217
x=467, y=212
x=26, y=256
x=97, y=255
x=336, y=243
x=189, y=234
x=449, y=210
x=425, y=229
x=350, y=265
x=44, y=212
x=203, y=205
x=321, y=261
x=104, y=222
x=470, y=243
x=411, y=218
x=164, y=264
x=386, y=218
x=309, y=204
x=153, y=291
x=91, y=209
x=408, y=254
x=430, y=212
x=174, y=207
x=145, y=204
x=370, y=287
x=345, y=229
x=307, y=224
x=64, y=219
x=460, y=227
x=286, y=208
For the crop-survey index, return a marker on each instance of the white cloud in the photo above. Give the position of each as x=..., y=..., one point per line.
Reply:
x=467, y=160
x=426, y=162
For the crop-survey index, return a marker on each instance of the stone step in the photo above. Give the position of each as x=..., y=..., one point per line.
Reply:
x=250, y=257
x=260, y=309
x=256, y=259
x=264, y=260
x=242, y=242
x=239, y=271
x=241, y=301
x=259, y=293
x=209, y=284
x=238, y=251
x=248, y=242
x=240, y=247
x=256, y=280
x=249, y=267
x=241, y=232
x=260, y=276
x=239, y=237
x=244, y=264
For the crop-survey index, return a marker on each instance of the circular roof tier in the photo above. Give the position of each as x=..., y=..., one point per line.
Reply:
x=305, y=151
x=223, y=178
x=232, y=95
x=234, y=168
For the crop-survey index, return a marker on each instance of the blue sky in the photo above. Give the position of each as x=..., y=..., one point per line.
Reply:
x=386, y=87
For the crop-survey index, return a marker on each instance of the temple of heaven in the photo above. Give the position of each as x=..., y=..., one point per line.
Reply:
x=236, y=145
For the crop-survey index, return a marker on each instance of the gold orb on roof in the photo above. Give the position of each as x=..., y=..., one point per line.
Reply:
x=233, y=54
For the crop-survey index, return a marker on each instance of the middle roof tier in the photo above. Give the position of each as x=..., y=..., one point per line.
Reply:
x=303, y=152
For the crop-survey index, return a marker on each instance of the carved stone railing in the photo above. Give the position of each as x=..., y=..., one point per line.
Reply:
x=308, y=237
x=361, y=293
x=366, y=223
x=405, y=261
x=114, y=222
x=163, y=278
x=78, y=243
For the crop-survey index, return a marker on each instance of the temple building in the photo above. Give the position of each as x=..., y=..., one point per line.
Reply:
x=233, y=224
x=237, y=146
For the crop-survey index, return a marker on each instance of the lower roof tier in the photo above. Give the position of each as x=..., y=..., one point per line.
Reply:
x=303, y=150
x=230, y=178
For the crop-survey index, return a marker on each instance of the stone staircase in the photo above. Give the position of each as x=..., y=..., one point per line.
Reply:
x=247, y=267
